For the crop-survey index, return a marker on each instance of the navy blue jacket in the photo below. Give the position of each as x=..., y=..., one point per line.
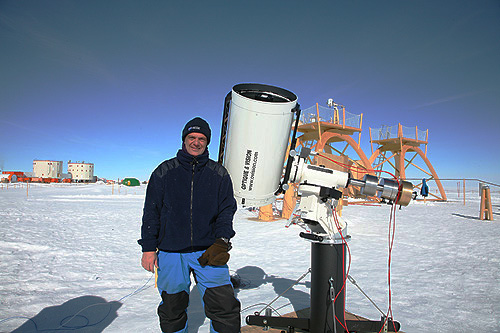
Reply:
x=189, y=204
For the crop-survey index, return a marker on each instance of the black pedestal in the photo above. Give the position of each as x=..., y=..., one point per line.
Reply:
x=328, y=265
x=328, y=268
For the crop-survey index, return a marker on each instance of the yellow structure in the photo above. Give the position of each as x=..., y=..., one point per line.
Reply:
x=323, y=130
x=322, y=127
x=399, y=147
x=485, y=212
x=289, y=202
x=331, y=131
x=266, y=213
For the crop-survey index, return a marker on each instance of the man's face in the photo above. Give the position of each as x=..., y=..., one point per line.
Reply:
x=195, y=143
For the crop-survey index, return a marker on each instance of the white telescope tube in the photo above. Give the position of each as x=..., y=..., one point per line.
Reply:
x=260, y=120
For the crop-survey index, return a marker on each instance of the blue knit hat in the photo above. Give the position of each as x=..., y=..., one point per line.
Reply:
x=197, y=125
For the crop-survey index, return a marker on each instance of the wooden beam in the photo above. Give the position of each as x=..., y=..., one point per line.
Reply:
x=410, y=161
x=416, y=166
x=371, y=141
x=359, y=137
x=317, y=121
x=426, y=141
x=386, y=159
x=435, y=196
x=345, y=148
x=343, y=115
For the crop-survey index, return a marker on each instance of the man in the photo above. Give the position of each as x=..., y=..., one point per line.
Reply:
x=186, y=227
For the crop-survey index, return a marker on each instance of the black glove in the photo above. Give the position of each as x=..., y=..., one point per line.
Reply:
x=217, y=254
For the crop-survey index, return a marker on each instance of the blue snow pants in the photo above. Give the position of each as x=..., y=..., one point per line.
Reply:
x=214, y=285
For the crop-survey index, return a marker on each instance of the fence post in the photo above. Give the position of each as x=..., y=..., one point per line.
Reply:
x=485, y=212
x=317, y=122
x=464, y=191
x=371, y=140
x=343, y=116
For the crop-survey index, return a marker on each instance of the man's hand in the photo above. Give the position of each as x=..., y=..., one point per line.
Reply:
x=149, y=261
x=216, y=255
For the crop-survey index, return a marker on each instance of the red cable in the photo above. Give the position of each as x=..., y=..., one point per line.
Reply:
x=391, y=235
x=358, y=169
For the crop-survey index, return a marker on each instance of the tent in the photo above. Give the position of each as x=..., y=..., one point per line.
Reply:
x=131, y=181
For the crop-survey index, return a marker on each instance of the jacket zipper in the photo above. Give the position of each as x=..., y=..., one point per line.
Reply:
x=191, y=206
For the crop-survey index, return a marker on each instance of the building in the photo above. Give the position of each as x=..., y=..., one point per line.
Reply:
x=8, y=178
x=81, y=171
x=47, y=169
x=11, y=176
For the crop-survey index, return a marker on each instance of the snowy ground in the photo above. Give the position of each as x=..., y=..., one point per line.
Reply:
x=69, y=261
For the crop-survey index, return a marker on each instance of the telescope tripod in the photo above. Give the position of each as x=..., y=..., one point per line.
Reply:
x=328, y=272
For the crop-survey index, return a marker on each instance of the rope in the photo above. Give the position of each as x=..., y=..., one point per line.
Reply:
x=351, y=279
x=63, y=324
x=276, y=298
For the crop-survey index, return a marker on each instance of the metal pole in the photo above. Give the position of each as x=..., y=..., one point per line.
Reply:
x=327, y=263
x=464, y=192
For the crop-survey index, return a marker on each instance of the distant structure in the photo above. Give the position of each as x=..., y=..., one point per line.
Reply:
x=7, y=178
x=47, y=171
x=399, y=147
x=81, y=172
x=131, y=181
x=331, y=131
x=11, y=176
x=323, y=127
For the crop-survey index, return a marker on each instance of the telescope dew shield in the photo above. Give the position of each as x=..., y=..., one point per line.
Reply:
x=259, y=125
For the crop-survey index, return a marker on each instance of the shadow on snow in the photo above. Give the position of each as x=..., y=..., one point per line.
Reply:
x=250, y=277
x=84, y=313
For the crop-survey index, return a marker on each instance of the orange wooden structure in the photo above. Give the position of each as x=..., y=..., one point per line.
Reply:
x=332, y=131
x=266, y=213
x=485, y=212
x=289, y=202
x=323, y=130
x=323, y=127
x=399, y=147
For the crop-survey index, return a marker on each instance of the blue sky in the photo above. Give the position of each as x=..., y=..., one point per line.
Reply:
x=113, y=82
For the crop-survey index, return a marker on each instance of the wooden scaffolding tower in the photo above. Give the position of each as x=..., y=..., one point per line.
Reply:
x=323, y=130
x=322, y=127
x=399, y=147
x=332, y=131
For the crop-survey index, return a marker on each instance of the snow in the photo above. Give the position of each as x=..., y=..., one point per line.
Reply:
x=69, y=261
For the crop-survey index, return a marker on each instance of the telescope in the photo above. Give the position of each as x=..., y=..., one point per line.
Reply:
x=258, y=137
